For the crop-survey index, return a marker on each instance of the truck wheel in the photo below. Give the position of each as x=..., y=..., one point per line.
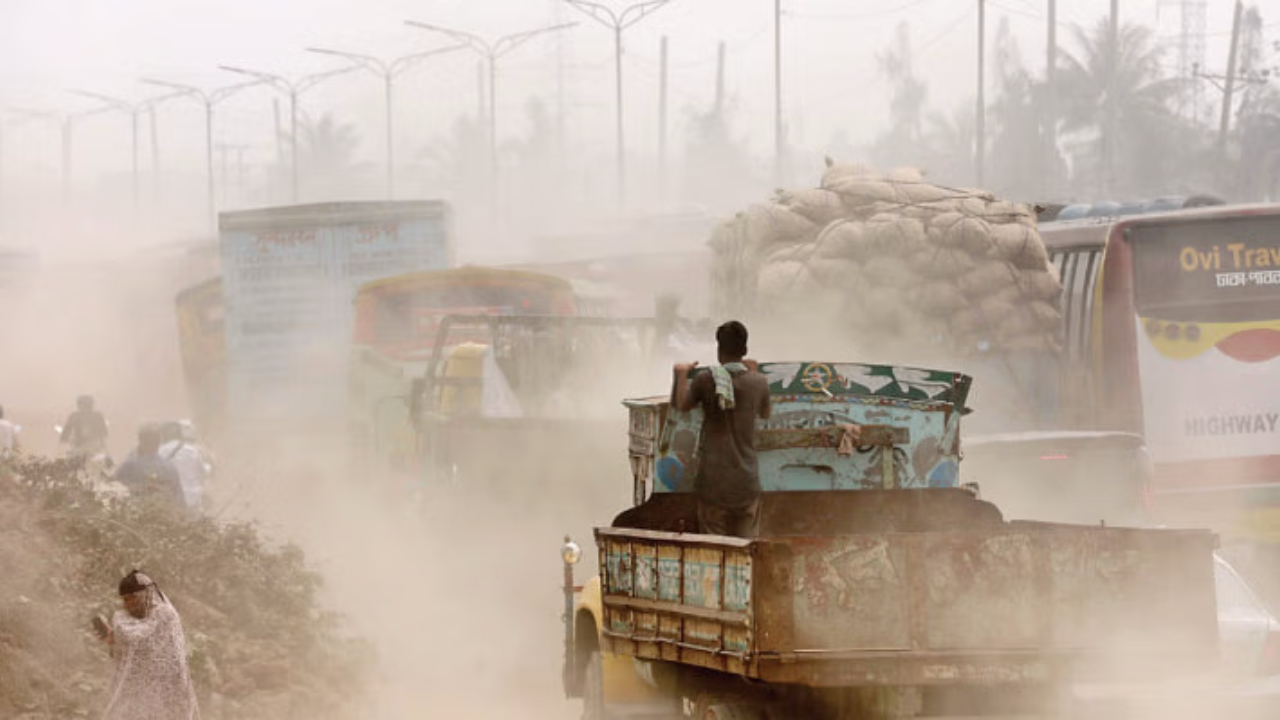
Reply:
x=593, y=688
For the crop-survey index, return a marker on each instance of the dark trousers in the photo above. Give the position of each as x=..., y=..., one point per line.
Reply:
x=741, y=521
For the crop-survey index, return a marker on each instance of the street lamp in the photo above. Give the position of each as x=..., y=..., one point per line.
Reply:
x=618, y=22
x=387, y=70
x=492, y=51
x=134, y=110
x=23, y=114
x=293, y=89
x=208, y=98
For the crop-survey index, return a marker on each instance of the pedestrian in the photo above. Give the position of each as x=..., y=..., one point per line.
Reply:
x=8, y=437
x=194, y=467
x=86, y=429
x=152, y=681
x=732, y=395
x=149, y=476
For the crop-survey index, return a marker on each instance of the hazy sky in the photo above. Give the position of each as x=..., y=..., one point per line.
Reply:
x=830, y=78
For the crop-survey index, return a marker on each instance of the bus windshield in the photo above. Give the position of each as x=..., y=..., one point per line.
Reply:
x=1221, y=271
x=402, y=320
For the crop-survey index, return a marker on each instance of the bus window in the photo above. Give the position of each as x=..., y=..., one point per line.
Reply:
x=1078, y=269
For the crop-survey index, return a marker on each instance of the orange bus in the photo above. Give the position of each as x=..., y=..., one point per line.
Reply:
x=398, y=316
x=397, y=320
x=1172, y=331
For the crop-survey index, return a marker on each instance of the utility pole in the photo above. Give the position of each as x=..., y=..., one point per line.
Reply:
x=662, y=119
x=1225, y=123
x=618, y=23
x=1051, y=102
x=134, y=110
x=388, y=71
x=1109, y=130
x=779, y=162
x=209, y=99
x=980, y=111
x=720, y=79
x=492, y=51
x=291, y=88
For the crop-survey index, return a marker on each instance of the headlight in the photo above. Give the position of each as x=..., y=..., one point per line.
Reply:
x=570, y=553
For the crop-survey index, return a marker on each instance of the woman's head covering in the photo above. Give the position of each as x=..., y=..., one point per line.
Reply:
x=133, y=582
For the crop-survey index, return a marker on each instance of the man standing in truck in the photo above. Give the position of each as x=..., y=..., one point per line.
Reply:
x=732, y=395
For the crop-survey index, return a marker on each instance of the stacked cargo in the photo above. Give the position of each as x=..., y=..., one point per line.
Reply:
x=892, y=256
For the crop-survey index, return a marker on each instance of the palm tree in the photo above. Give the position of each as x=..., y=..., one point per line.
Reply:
x=902, y=143
x=328, y=163
x=1115, y=97
x=1022, y=164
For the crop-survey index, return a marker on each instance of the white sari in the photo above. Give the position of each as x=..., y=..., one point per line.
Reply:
x=152, y=681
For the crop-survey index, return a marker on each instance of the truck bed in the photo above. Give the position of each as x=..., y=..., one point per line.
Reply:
x=991, y=602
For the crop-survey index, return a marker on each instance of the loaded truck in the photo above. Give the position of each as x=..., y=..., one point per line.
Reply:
x=266, y=343
x=877, y=586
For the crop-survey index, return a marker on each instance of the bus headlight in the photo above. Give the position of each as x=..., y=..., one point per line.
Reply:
x=570, y=552
x=1193, y=333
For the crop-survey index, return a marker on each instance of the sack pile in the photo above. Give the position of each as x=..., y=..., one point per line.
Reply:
x=892, y=256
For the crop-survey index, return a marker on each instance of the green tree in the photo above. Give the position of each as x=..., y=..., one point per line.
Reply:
x=1117, y=103
x=1020, y=162
x=717, y=163
x=902, y=143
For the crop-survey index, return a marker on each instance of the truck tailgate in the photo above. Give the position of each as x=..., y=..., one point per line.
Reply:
x=1018, y=603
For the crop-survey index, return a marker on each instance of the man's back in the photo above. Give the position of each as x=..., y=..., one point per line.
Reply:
x=190, y=463
x=151, y=474
x=728, y=472
x=85, y=428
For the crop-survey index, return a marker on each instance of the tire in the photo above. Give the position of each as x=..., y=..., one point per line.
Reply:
x=593, y=706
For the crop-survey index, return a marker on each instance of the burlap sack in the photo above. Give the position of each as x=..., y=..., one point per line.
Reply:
x=935, y=262
x=841, y=239
x=769, y=223
x=815, y=204
x=838, y=172
x=988, y=276
x=939, y=299
x=1019, y=245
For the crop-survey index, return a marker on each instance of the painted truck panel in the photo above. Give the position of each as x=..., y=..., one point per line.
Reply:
x=1024, y=602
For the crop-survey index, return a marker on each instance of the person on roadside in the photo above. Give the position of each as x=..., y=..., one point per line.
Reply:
x=732, y=396
x=179, y=447
x=8, y=437
x=152, y=680
x=148, y=475
x=86, y=429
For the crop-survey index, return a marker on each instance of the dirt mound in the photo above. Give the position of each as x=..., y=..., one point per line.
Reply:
x=261, y=646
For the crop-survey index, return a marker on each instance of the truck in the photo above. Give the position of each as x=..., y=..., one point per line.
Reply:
x=268, y=338
x=878, y=587
x=447, y=365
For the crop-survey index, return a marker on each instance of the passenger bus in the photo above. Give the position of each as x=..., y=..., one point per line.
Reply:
x=1172, y=331
x=397, y=321
x=202, y=347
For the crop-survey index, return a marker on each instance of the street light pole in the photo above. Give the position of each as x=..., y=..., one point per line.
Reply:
x=387, y=70
x=208, y=99
x=491, y=51
x=293, y=89
x=134, y=110
x=618, y=22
